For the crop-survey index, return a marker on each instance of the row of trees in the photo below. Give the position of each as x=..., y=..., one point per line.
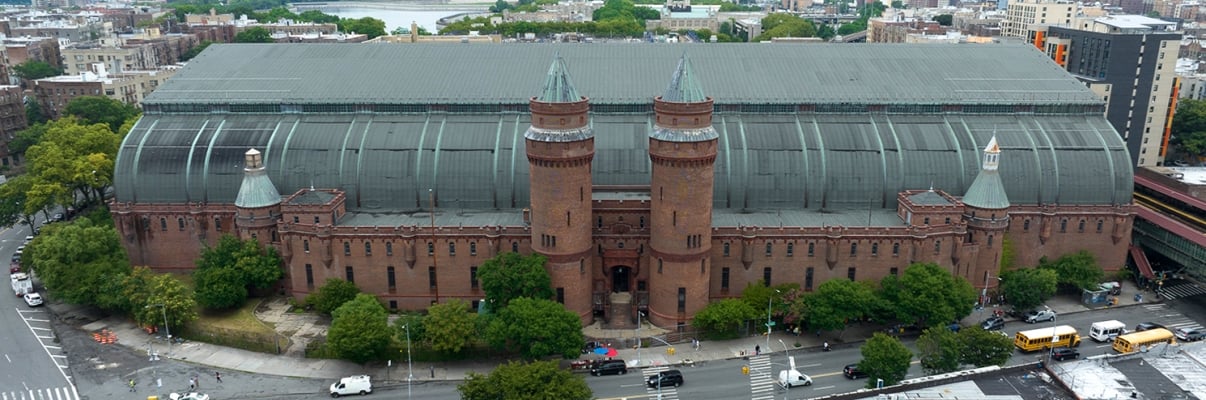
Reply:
x=82, y=262
x=940, y=350
x=924, y=295
x=518, y=318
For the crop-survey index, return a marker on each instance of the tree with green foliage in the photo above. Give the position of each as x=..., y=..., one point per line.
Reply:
x=367, y=26
x=331, y=295
x=1189, y=128
x=884, y=357
x=359, y=330
x=75, y=260
x=944, y=19
x=416, y=324
x=983, y=348
x=33, y=112
x=14, y=204
x=101, y=110
x=158, y=296
x=33, y=70
x=317, y=17
x=532, y=380
x=500, y=6
x=785, y=25
x=536, y=328
x=70, y=161
x=758, y=296
x=939, y=350
x=193, y=52
x=837, y=301
x=1027, y=288
x=255, y=34
x=508, y=276
x=227, y=271
x=1076, y=272
x=450, y=326
x=928, y=295
x=26, y=138
x=722, y=319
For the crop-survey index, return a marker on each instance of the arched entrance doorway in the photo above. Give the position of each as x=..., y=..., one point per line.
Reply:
x=620, y=277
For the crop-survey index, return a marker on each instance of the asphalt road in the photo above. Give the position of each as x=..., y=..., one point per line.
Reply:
x=723, y=379
x=33, y=366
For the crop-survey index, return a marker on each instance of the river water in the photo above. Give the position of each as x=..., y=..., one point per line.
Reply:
x=394, y=14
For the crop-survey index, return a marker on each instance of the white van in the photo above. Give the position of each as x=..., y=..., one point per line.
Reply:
x=1105, y=331
x=358, y=384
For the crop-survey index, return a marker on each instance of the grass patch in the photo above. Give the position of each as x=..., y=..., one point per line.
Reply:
x=237, y=328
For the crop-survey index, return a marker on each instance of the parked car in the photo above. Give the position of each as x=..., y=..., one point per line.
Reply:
x=1190, y=334
x=851, y=371
x=1037, y=316
x=28, y=239
x=1064, y=353
x=57, y=217
x=609, y=367
x=1143, y=326
x=993, y=323
x=33, y=299
x=671, y=377
x=790, y=378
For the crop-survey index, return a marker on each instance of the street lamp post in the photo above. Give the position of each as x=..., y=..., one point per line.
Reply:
x=409, y=370
x=984, y=300
x=166, y=328
x=1054, y=338
x=769, y=299
x=638, y=337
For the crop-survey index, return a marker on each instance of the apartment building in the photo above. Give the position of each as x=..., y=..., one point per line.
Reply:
x=12, y=119
x=1130, y=61
x=1023, y=16
x=129, y=87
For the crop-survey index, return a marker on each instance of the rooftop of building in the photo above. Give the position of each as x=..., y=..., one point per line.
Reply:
x=1164, y=372
x=623, y=74
x=1135, y=22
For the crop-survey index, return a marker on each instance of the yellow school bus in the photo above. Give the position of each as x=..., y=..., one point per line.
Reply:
x=1140, y=340
x=1041, y=338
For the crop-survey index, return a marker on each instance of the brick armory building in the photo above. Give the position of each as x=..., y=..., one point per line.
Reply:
x=652, y=180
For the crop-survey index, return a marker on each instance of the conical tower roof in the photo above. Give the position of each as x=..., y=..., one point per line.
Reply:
x=684, y=88
x=987, y=191
x=557, y=85
x=257, y=190
x=559, y=113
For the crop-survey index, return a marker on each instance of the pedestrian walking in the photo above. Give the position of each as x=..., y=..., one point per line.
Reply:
x=757, y=350
x=192, y=384
x=132, y=389
x=197, y=381
x=218, y=376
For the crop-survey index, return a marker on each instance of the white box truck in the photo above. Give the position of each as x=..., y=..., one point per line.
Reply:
x=1105, y=331
x=359, y=384
x=21, y=283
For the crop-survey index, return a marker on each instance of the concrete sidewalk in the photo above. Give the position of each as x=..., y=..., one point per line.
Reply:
x=292, y=365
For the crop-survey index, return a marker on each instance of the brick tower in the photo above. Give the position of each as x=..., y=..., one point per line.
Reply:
x=986, y=212
x=560, y=146
x=682, y=148
x=258, y=203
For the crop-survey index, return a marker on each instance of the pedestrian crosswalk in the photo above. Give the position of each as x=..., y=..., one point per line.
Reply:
x=1171, y=319
x=59, y=393
x=666, y=392
x=762, y=381
x=1182, y=290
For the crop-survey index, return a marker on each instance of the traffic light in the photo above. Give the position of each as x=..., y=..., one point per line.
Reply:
x=745, y=370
